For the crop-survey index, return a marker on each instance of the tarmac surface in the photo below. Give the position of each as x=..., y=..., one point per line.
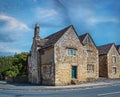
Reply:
x=29, y=87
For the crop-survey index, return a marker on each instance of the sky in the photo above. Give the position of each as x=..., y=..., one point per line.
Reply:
x=100, y=18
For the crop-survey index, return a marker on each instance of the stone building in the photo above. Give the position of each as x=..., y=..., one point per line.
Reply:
x=91, y=53
x=58, y=59
x=118, y=48
x=109, y=64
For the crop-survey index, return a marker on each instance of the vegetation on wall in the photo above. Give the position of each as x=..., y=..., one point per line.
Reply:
x=13, y=66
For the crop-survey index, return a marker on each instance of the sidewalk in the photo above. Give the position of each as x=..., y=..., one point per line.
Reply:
x=28, y=87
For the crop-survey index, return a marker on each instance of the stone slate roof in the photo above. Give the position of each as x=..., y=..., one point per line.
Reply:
x=104, y=49
x=117, y=47
x=82, y=37
x=52, y=39
x=41, y=42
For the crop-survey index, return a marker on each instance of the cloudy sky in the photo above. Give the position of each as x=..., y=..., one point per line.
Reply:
x=101, y=18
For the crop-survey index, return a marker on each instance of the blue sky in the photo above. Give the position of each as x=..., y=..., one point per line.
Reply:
x=101, y=18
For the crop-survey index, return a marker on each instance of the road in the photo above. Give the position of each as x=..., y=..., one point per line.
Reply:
x=110, y=91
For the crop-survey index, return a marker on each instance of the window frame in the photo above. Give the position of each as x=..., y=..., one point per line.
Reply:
x=71, y=51
x=114, y=70
x=90, y=68
x=87, y=40
x=88, y=53
x=114, y=59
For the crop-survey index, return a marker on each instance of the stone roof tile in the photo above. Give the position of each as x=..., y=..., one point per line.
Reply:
x=104, y=49
x=52, y=39
x=82, y=37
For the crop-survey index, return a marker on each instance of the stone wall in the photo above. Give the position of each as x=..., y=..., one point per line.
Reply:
x=119, y=49
x=113, y=53
x=47, y=66
x=64, y=63
x=33, y=63
x=93, y=58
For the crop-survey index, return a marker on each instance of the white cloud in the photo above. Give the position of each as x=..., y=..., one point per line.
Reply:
x=96, y=20
x=43, y=13
x=13, y=24
x=49, y=16
x=46, y=14
x=8, y=49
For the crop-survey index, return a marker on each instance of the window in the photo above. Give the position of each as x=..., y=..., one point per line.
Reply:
x=71, y=52
x=114, y=59
x=87, y=40
x=114, y=70
x=90, y=68
x=88, y=53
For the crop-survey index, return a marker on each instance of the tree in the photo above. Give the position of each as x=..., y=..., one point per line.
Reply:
x=14, y=65
x=21, y=61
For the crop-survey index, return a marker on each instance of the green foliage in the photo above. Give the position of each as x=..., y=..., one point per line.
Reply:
x=10, y=73
x=14, y=65
x=5, y=63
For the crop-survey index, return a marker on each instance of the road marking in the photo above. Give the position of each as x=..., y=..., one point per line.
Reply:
x=111, y=93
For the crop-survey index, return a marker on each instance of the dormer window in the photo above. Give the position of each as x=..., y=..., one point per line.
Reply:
x=71, y=51
x=87, y=40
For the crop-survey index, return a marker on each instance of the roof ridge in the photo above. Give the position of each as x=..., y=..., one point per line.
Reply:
x=106, y=44
x=83, y=34
x=81, y=37
x=58, y=32
x=53, y=38
x=104, y=49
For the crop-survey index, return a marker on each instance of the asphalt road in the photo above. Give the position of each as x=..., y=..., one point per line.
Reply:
x=110, y=91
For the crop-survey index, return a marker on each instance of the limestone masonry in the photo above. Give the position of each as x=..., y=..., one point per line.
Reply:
x=65, y=58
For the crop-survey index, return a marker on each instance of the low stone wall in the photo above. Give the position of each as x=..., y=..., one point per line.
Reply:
x=18, y=79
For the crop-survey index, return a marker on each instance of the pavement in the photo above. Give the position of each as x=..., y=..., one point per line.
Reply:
x=29, y=87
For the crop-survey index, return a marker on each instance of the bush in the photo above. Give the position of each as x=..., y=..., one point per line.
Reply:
x=10, y=73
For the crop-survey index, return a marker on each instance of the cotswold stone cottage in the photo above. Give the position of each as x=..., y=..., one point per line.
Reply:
x=65, y=58
x=58, y=59
x=109, y=61
x=91, y=53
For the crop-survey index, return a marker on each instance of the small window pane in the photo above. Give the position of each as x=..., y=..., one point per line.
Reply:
x=88, y=53
x=114, y=70
x=71, y=52
x=87, y=40
x=113, y=59
x=90, y=68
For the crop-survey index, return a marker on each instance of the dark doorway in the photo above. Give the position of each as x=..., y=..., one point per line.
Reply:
x=74, y=71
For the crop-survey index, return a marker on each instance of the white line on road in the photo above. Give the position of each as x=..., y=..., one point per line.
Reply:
x=111, y=93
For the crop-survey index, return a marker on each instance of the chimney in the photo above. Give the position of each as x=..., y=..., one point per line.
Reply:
x=36, y=31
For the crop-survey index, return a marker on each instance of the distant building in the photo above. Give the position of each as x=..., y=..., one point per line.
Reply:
x=91, y=53
x=109, y=64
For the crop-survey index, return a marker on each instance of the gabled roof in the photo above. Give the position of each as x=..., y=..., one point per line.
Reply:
x=41, y=42
x=104, y=49
x=52, y=39
x=82, y=37
x=117, y=47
